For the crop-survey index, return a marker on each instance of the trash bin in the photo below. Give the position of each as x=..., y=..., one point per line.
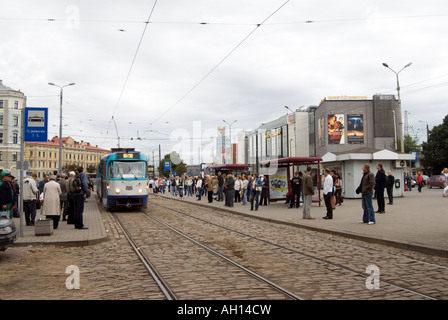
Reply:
x=43, y=227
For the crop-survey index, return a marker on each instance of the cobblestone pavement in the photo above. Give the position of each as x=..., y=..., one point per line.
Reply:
x=107, y=270
x=311, y=264
x=111, y=270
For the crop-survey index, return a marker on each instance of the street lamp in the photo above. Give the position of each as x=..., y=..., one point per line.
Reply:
x=60, y=122
x=230, y=134
x=399, y=102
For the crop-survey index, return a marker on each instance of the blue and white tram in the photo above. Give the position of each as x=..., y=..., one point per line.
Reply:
x=122, y=180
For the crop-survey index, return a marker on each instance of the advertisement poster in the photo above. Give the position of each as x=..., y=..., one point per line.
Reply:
x=336, y=129
x=355, y=128
x=278, y=184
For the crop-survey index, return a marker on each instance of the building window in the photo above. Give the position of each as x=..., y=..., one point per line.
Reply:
x=16, y=104
x=15, y=138
x=14, y=156
x=1, y=119
x=15, y=121
x=1, y=137
x=1, y=156
x=1, y=104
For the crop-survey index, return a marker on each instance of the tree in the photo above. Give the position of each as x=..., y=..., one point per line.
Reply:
x=177, y=164
x=435, y=151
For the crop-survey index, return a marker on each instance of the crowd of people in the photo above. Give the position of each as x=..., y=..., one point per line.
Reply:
x=56, y=195
x=255, y=189
x=227, y=188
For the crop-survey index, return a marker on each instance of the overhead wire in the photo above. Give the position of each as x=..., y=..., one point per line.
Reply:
x=132, y=64
x=215, y=67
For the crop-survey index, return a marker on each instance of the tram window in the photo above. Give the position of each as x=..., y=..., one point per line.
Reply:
x=129, y=170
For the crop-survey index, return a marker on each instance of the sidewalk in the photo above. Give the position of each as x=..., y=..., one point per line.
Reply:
x=66, y=233
x=417, y=221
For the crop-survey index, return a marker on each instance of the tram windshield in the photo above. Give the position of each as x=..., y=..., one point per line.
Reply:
x=128, y=170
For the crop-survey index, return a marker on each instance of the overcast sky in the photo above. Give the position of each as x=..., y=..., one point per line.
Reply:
x=200, y=62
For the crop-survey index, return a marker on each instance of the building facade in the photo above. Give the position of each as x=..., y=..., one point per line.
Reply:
x=43, y=157
x=348, y=123
x=12, y=102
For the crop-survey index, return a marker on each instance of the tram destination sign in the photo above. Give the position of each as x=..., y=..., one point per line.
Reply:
x=129, y=155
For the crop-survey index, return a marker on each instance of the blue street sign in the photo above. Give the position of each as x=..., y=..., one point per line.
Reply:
x=36, y=124
x=167, y=165
x=414, y=153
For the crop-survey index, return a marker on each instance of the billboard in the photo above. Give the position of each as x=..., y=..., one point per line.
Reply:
x=336, y=129
x=355, y=129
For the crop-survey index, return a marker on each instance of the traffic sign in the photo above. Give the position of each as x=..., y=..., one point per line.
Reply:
x=36, y=124
x=414, y=153
x=167, y=165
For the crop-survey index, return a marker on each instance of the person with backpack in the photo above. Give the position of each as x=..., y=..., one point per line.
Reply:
x=80, y=188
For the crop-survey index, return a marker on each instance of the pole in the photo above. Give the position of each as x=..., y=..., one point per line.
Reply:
x=60, y=134
x=21, y=171
x=400, y=117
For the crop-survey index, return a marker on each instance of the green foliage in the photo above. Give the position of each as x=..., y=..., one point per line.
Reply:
x=177, y=164
x=435, y=151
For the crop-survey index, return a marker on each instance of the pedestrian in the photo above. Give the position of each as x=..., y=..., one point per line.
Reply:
x=328, y=194
x=419, y=181
x=308, y=192
x=230, y=189
x=390, y=182
x=254, y=189
x=244, y=184
x=209, y=184
x=199, y=188
x=338, y=189
x=7, y=194
x=265, y=191
x=180, y=186
x=238, y=189
x=334, y=176
x=15, y=203
x=80, y=193
x=220, y=186
x=63, y=197
x=51, y=203
x=30, y=193
x=71, y=198
x=380, y=184
x=366, y=189
x=295, y=183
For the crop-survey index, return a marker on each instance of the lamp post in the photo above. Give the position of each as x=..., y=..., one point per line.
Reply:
x=400, y=118
x=230, y=134
x=60, y=121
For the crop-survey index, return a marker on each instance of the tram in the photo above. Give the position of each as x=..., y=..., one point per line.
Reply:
x=122, y=180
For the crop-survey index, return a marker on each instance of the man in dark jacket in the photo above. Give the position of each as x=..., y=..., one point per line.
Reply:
x=390, y=182
x=380, y=184
x=296, y=184
x=7, y=194
x=79, y=200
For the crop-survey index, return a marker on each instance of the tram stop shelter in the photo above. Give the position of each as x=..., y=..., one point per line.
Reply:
x=280, y=172
x=235, y=169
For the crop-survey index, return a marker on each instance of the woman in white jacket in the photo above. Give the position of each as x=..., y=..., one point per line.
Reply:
x=51, y=207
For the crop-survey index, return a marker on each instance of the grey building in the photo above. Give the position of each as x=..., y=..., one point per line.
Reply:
x=348, y=123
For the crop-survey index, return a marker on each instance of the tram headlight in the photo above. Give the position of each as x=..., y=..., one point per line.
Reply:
x=117, y=190
x=140, y=190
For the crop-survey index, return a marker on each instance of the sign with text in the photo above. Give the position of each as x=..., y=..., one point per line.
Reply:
x=36, y=124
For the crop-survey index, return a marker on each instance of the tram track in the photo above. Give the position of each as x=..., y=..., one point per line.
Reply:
x=393, y=281
x=163, y=281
